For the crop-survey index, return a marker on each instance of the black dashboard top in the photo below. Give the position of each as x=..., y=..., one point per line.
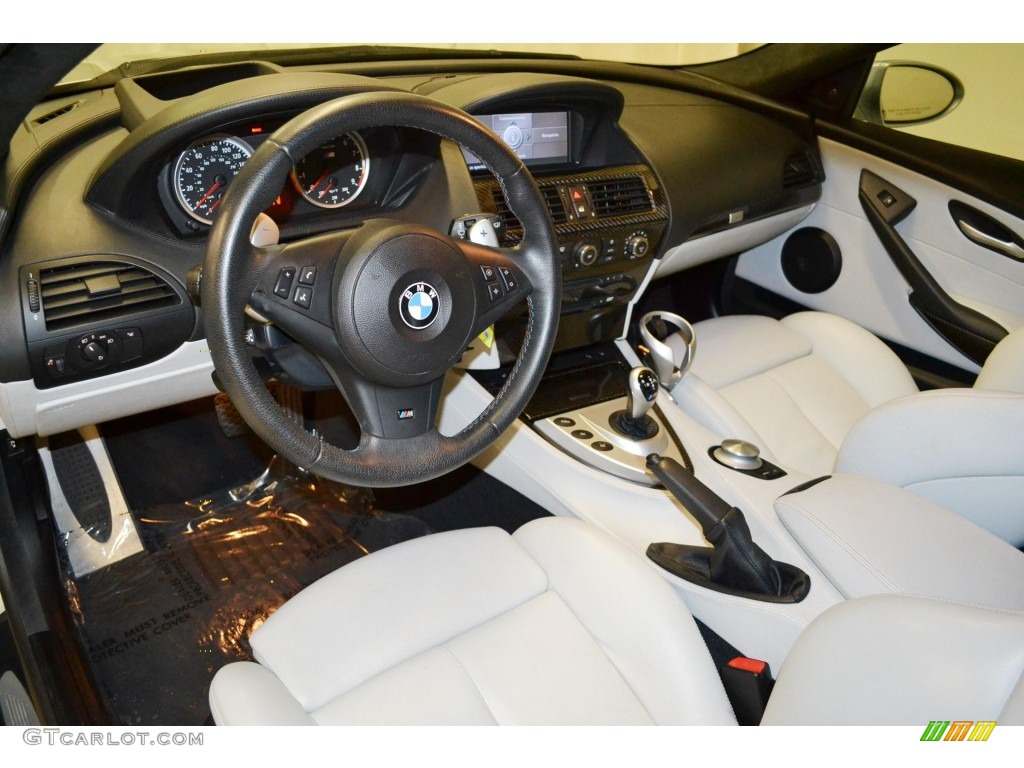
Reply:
x=133, y=176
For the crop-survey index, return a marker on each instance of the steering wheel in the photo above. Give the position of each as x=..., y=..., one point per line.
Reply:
x=392, y=305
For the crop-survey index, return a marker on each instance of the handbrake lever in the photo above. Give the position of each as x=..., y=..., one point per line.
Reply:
x=736, y=562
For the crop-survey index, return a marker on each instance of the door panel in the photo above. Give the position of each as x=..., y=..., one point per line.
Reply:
x=870, y=290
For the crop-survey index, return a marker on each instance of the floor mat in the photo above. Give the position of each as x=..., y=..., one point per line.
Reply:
x=159, y=624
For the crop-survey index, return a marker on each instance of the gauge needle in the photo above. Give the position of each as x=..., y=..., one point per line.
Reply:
x=317, y=182
x=327, y=189
x=214, y=188
x=214, y=206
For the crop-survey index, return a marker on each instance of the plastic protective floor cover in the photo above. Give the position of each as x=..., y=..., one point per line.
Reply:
x=157, y=625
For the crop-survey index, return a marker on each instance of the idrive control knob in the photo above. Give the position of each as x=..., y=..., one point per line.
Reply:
x=739, y=454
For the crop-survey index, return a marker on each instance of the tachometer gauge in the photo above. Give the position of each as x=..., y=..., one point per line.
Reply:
x=334, y=174
x=204, y=171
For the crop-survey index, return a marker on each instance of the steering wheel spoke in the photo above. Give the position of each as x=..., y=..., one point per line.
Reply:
x=392, y=413
x=501, y=281
x=294, y=287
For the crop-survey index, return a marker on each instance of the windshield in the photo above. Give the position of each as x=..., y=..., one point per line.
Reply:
x=112, y=55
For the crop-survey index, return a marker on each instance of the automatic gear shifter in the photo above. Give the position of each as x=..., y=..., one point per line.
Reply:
x=635, y=421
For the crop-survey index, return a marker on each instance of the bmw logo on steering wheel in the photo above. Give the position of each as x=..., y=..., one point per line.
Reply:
x=419, y=305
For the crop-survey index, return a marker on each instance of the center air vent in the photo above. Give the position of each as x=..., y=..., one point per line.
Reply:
x=619, y=197
x=98, y=291
x=552, y=199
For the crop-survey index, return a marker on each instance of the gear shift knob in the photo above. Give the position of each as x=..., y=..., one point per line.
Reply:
x=643, y=390
x=670, y=362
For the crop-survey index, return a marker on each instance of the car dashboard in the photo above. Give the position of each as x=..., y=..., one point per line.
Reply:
x=109, y=197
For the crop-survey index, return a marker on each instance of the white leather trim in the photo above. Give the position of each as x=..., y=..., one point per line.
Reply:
x=244, y=693
x=794, y=388
x=1004, y=368
x=732, y=241
x=736, y=347
x=898, y=660
x=636, y=618
x=870, y=291
x=864, y=362
x=185, y=374
x=869, y=537
x=379, y=611
x=939, y=443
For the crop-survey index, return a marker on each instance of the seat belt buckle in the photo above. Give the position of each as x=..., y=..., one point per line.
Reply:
x=748, y=684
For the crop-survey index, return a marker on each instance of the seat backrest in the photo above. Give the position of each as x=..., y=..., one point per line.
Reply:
x=1004, y=368
x=899, y=660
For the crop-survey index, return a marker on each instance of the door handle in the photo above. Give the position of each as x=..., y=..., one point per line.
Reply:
x=1007, y=248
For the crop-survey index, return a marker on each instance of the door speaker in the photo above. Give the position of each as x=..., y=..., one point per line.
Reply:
x=811, y=260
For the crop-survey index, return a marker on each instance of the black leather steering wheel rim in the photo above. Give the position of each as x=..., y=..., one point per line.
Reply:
x=232, y=270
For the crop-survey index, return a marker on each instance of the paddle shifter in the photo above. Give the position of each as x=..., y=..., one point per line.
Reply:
x=635, y=421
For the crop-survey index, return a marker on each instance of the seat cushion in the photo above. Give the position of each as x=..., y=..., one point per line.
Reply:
x=558, y=624
x=793, y=387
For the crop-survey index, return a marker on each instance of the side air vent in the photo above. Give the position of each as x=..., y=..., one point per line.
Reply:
x=552, y=199
x=93, y=292
x=799, y=170
x=619, y=197
x=58, y=112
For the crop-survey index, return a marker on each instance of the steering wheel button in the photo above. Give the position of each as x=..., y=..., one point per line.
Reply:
x=307, y=276
x=509, y=279
x=284, y=282
x=488, y=272
x=495, y=291
x=601, y=445
x=565, y=421
x=303, y=297
x=581, y=434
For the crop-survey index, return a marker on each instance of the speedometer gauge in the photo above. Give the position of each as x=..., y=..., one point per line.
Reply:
x=204, y=171
x=334, y=174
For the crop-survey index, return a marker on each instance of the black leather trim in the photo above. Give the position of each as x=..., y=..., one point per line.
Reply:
x=971, y=332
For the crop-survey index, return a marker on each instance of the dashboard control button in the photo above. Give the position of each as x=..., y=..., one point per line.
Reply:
x=131, y=338
x=33, y=296
x=55, y=365
x=303, y=296
x=637, y=245
x=586, y=254
x=284, y=282
x=601, y=445
x=511, y=283
x=307, y=276
x=495, y=291
x=581, y=434
x=565, y=421
x=95, y=352
x=488, y=272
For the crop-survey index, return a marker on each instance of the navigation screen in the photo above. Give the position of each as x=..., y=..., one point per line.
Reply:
x=539, y=138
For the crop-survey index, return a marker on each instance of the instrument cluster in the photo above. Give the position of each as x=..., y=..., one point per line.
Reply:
x=336, y=175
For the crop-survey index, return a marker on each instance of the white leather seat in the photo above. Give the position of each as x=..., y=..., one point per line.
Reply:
x=558, y=624
x=793, y=387
x=818, y=394
x=562, y=624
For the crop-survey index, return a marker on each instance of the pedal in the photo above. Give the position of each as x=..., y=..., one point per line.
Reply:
x=89, y=508
x=230, y=420
x=15, y=705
